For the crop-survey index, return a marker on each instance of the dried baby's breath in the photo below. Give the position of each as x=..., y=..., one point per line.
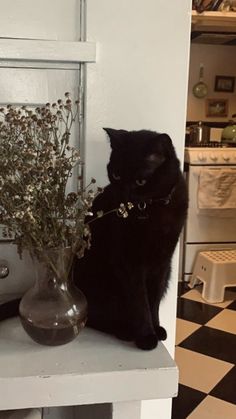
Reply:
x=123, y=210
x=36, y=162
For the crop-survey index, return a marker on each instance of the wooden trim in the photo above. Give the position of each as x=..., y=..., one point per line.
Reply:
x=47, y=51
x=39, y=65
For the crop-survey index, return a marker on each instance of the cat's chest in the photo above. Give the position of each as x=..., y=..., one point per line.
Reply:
x=139, y=240
x=148, y=221
x=147, y=225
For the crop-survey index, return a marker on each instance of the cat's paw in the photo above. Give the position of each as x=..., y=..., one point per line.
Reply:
x=147, y=342
x=161, y=333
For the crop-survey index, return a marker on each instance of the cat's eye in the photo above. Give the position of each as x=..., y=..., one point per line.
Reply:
x=115, y=176
x=140, y=182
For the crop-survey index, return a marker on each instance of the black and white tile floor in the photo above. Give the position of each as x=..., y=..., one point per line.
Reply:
x=206, y=356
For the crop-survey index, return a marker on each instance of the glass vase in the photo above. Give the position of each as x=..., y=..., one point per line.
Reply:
x=53, y=311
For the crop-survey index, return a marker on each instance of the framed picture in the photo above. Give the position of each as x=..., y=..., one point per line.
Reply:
x=224, y=84
x=216, y=107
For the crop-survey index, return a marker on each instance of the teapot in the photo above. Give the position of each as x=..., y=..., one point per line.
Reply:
x=199, y=134
x=229, y=132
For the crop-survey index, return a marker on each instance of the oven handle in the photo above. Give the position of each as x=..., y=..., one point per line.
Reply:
x=196, y=170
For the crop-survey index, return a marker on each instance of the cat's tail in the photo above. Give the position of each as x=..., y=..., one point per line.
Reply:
x=9, y=309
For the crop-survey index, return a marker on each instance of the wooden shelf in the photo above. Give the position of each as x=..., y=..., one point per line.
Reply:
x=94, y=368
x=214, y=21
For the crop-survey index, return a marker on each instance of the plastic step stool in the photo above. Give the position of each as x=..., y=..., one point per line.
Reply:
x=217, y=270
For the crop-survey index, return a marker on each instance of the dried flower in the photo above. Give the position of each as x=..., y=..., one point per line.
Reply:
x=36, y=163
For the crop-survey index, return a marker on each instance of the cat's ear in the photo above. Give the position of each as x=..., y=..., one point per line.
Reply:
x=162, y=150
x=116, y=136
x=167, y=145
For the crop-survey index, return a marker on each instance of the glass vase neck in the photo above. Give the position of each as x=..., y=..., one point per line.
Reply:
x=57, y=262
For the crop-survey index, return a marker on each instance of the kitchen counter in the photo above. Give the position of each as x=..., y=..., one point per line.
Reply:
x=94, y=368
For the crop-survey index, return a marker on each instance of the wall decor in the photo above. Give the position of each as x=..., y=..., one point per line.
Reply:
x=217, y=107
x=224, y=84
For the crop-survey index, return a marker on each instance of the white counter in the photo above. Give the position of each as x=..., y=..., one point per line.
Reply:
x=94, y=368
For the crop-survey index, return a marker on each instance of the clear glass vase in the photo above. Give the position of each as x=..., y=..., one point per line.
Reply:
x=53, y=311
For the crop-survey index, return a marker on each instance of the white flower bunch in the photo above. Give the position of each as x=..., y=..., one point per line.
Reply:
x=36, y=162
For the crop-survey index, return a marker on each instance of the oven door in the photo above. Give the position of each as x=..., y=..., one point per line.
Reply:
x=200, y=227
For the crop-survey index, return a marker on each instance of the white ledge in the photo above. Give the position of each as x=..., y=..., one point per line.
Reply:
x=94, y=368
x=47, y=51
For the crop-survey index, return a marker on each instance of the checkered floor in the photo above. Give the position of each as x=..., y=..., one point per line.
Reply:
x=206, y=356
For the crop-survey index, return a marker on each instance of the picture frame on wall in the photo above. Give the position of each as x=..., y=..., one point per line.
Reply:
x=217, y=108
x=224, y=84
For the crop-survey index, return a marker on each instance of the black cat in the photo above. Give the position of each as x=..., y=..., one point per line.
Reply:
x=125, y=273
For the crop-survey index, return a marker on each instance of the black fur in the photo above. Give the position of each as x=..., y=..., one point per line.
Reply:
x=125, y=273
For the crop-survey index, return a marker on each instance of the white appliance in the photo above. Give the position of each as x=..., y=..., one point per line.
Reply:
x=203, y=230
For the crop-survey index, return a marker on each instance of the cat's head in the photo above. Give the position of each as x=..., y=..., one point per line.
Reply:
x=138, y=159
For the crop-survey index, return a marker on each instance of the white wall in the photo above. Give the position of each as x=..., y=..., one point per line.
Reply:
x=139, y=82
x=217, y=60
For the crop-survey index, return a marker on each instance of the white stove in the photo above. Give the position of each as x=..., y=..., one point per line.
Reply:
x=206, y=156
x=211, y=228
